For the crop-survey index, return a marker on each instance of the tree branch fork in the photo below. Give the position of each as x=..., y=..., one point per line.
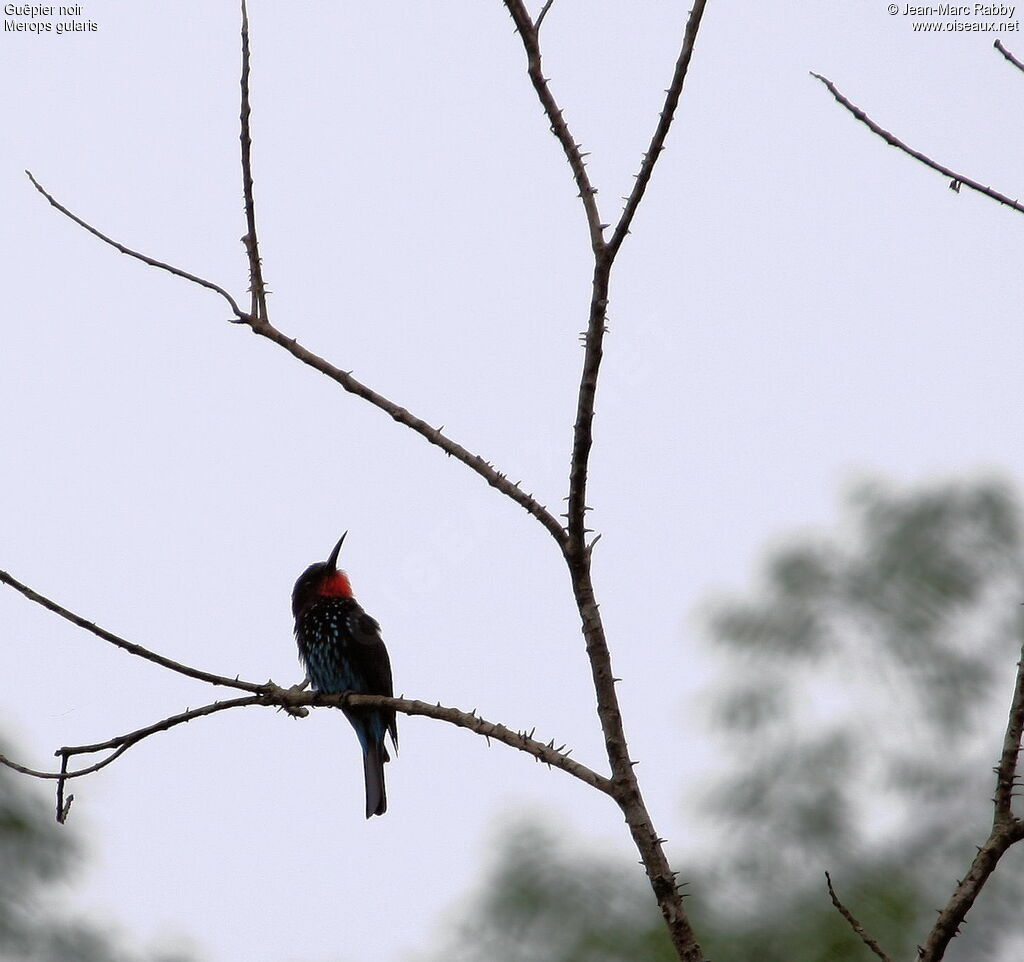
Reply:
x=570, y=536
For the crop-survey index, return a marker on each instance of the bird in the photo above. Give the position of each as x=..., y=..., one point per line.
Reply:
x=342, y=651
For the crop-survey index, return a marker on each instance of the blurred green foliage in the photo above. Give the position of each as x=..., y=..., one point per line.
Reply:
x=37, y=857
x=860, y=709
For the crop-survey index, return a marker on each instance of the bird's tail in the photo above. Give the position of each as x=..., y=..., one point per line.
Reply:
x=374, y=757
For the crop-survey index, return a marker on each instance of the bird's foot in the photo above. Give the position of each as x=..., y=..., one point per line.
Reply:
x=297, y=711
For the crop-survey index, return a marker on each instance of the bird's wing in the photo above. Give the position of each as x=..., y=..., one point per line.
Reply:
x=375, y=662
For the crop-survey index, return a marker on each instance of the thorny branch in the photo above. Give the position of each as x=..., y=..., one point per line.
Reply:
x=128, y=646
x=1007, y=829
x=296, y=704
x=529, y=34
x=293, y=700
x=854, y=924
x=258, y=321
x=622, y=786
x=575, y=549
x=956, y=180
x=257, y=287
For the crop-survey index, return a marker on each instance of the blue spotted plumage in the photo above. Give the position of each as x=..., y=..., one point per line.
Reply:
x=342, y=651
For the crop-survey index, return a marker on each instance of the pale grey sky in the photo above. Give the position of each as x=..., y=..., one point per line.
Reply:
x=798, y=304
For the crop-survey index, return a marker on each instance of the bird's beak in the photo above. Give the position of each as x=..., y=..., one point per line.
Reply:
x=332, y=561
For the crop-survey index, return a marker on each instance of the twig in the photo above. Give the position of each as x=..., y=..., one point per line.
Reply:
x=657, y=144
x=176, y=271
x=1006, y=831
x=1009, y=56
x=130, y=647
x=894, y=141
x=252, y=247
x=854, y=924
x=531, y=43
x=543, y=13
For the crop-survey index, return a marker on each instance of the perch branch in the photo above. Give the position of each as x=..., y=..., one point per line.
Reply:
x=893, y=141
x=295, y=702
x=854, y=924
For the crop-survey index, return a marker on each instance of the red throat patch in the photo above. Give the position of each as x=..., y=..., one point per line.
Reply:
x=335, y=585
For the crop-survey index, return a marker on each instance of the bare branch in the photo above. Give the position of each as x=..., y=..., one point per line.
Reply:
x=177, y=272
x=854, y=924
x=252, y=247
x=1009, y=56
x=657, y=144
x=121, y=743
x=543, y=13
x=258, y=322
x=893, y=141
x=531, y=43
x=490, y=474
x=128, y=646
x=1006, y=831
x=1006, y=773
x=520, y=740
x=295, y=701
x=577, y=554
x=948, y=923
x=63, y=806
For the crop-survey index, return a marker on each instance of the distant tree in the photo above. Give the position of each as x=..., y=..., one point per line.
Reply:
x=36, y=855
x=860, y=712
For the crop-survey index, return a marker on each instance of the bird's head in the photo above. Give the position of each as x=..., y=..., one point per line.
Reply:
x=321, y=580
